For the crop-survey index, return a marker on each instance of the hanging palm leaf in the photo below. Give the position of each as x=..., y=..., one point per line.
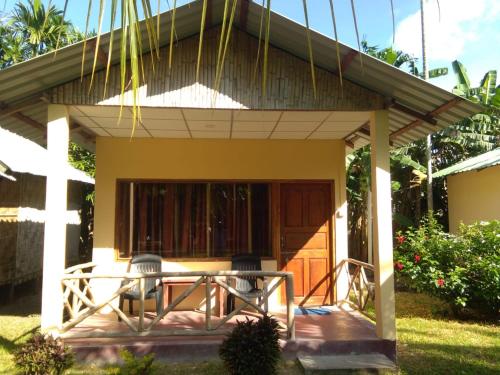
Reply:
x=200, y=43
x=337, y=45
x=266, y=49
x=89, y=10
x=226, y=44
x=355, y=19
x=110, y=47
x=261, y=24
x=309, y=47
x=96, y=48
x=172, y=31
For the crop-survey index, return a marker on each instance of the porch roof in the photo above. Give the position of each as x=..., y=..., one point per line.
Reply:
x=416, y=107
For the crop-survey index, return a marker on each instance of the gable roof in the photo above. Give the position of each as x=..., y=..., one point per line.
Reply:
x=488, y=159
x=18, y=154
x=417, y=103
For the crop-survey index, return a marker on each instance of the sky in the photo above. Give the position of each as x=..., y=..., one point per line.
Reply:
x=464, y=30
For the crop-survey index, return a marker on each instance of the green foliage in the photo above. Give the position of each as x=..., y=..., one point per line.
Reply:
x=33, y=29
x=463, y=269
x=135, y=365
x=252, y=348
x=43, y=355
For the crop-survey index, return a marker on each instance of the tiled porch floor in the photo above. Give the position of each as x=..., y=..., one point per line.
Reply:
x=341, y=331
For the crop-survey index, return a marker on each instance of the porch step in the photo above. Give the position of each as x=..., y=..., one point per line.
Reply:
x=373, y=363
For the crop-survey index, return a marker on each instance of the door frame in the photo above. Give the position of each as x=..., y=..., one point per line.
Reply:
x=276, y=229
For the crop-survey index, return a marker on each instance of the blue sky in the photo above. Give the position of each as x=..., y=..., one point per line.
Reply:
x=466, y=30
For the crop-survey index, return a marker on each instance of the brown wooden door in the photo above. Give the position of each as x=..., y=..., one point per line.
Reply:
x=305, y=240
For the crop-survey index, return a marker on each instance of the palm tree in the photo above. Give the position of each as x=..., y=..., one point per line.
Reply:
x=42, y=28
x=31, y=30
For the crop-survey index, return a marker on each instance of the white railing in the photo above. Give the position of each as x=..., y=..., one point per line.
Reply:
x=359, y=284
x=80, y=304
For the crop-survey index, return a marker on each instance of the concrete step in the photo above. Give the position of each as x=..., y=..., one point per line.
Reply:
x=374, y=363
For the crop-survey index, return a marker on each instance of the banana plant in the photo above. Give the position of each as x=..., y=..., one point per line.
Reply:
x=487, y=93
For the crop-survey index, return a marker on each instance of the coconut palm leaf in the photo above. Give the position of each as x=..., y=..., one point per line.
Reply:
x=337, y=46
x=172, y=30
x=200, y=43
x=355, y=19
x=266, y=49
x=110, y=48
x=89, y=10
x=309, y=48
x=393, y=23
x=61, y=29
x=226, y=43
x=102, y=4
x=261, y=24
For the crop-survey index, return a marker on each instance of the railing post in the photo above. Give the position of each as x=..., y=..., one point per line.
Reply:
x=208, y=303
x=290, y=308
x=142, y=291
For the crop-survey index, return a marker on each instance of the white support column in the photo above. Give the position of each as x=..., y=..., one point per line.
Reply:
x=382, y=225
x=54, y=247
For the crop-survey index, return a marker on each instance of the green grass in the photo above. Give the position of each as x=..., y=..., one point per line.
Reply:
x=429, y=341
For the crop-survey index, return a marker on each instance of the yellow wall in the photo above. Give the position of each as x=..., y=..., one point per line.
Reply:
x=205, y=160
x=474, y=196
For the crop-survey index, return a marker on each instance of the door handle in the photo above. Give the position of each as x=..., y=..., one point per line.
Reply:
x=282, y=241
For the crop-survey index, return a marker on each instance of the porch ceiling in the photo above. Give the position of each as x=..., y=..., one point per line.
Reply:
x=218, y=123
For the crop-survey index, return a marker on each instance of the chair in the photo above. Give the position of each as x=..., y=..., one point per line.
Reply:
x=142, y=264
x=247, y=286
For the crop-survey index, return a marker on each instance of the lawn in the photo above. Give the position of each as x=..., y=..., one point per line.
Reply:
x=428, y=341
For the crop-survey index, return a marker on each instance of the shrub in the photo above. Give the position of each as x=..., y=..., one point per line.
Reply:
x=252, y=347
x=133, y=365
x=43, y=355
x=463, y=269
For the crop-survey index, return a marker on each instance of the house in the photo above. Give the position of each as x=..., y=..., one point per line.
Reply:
x=23, y=171
x=215, y=171
x=473, y=189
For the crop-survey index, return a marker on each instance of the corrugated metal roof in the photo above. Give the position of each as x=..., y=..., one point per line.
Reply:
x=36, y=75
x=488, y=159
x=24, y=156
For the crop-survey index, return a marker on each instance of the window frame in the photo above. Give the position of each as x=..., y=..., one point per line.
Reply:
x=273, y=215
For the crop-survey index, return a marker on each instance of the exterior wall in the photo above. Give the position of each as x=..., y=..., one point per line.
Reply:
x=473, y=196
x=289, y=81
x=21, y=239
x=206, y=160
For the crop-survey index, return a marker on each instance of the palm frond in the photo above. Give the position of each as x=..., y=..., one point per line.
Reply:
x=200, y=43
x=355, y=19
x=261, y=24
x=393, y=23
x=309, y=47
x=114, y=4
x=61, y=29
x=89, y=10
x=172, y=30
x=226, y=44
x=339, y=62
x=266, y=49
x=102, y=4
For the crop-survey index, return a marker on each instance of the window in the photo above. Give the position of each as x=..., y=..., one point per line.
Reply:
x=193, y=220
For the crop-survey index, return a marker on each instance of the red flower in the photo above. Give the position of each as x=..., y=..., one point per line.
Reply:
x=417, y=258
x=399, y=266
x=400, y=239
x=440, y=282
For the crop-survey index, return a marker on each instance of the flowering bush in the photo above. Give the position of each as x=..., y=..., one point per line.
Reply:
x=463, y=269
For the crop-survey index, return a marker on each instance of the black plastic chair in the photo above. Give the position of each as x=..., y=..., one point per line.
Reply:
x=247, y=285
x=142, y=264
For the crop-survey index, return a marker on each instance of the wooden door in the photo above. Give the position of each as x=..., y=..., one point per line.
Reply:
x=305, y=211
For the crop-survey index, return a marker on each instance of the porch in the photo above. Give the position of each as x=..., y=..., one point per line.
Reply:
x=177, y=334
x=335, y=331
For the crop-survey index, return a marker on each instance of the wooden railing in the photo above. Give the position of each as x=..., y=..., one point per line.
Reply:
x=77, y=285
x=359, y=285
